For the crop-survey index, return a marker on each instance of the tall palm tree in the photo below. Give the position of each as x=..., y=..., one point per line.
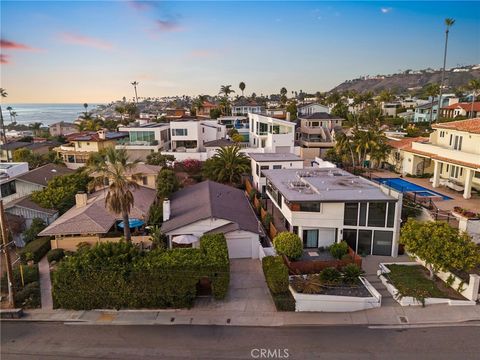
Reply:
x=242, y=86
x=10, y=109
x=14, y=115
x=227, y=165
x=36, y=127
x=448, y=24
x=343, y=146
x=226, y=90
x=135, y=83
x=433, y=90
x=474, y=85
x=3, y=94
x=114, y=166
x=199, y=101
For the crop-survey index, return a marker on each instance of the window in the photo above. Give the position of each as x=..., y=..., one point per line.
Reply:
x=258, y=170
x=350, y=214
x=441, y=168
x=391, y=214
x=451, y=137
x=363, y=214
x=179, y=132
x=144, y=180
x=295, y=230
x=277, y=166
x=364, y=242
x=8, y=188
x=263, y=167
x=314, y=123
x=376, y=213
x=279, y=200
x=382, y=242
x=350, y=236
x=477, y=174
x=457, y=145
x=310, y=239
x=310, y=207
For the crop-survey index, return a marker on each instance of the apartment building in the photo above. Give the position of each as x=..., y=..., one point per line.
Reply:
x=271, y=134
x=324, y=206
x=191, y=135
x=144, y=139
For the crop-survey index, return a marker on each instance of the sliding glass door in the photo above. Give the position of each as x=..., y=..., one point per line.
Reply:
x=310, y=239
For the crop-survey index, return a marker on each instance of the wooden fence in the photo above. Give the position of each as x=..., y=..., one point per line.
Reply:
x=316, y=266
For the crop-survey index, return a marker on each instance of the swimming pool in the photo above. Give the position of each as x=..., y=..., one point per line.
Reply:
x=406, y=186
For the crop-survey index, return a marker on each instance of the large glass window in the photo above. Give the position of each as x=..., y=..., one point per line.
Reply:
x=310, y=238
x=8, y=188
x=350, y=236
x=363, y=214
x=391, y=214
x=376, y=214
x=310, y=207
x=382, y=242
x=351, y=214
x=364, y=242
x=141, y=136
x=179, y=132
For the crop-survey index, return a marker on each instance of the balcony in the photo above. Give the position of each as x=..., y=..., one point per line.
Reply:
x=448, y=153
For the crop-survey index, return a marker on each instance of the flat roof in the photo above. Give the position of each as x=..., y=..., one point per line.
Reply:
x=324, y=185
x=143, y=126
x=263, y=157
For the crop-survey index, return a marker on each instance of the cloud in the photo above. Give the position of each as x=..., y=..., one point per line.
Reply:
x=140, y=5
x=385, y=10
x=77, y=39
x=12, y=45
x=4, y=59
x=168, y=25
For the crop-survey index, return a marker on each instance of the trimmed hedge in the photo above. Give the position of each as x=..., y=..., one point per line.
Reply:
x=27, y=296
x=276, y=274
x=119, y=275
x=37, y=249
x=288, y=244
x=55, y=255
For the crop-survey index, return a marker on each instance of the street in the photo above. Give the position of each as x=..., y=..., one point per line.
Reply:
x=37, y=340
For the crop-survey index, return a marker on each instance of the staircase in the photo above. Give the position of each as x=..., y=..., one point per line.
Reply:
x=387, y=298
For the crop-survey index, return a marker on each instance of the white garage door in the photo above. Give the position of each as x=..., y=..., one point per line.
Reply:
x=239, y=248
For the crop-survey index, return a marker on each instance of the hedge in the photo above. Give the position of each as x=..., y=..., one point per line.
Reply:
x=276, y=274
x=27, y=296
x=119, y=275
x=37, y=248
x=55, y=255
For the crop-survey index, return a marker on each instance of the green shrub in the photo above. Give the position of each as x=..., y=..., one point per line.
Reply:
x=330, y=276
x=35, y=250
x=288, y=244
x=267, y=220
x=55, y=255
x=284, y=301
x=30, y=274
x=214, y=247
x=339, y=250
x=31, y=233
x=276, y=274
x=351, y=272
x=29, y=296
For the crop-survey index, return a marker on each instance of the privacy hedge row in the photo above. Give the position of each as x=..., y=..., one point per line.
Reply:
x=276, y=275
x=27, y=296
x=35, y=250
x=119, y=275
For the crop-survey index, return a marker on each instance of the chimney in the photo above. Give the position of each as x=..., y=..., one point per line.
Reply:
x=101, y=134
x=80, y=199
x=166, y=210
x=288, y=116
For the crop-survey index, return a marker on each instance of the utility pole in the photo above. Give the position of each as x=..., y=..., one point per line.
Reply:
x=3, y=225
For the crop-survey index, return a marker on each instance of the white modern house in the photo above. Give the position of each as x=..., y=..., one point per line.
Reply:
x=312, y=108
x=271, y=134
x=209, y=207
x=324, y=206
x=243, y=107
x=144, y=139
x=190, y=135
x=267, y=161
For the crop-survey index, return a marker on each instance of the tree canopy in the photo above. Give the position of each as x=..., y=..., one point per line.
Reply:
x=227, y=165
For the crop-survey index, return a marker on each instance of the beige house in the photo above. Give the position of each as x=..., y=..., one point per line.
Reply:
x=148, y=175
x=451, y=154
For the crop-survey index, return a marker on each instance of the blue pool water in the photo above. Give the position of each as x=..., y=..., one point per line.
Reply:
x=406, y=186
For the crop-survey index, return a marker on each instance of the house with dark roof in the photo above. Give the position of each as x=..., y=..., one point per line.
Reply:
x=37, y=147
x=210, y=207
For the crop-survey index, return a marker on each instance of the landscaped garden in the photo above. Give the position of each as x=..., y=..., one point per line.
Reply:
x=26, y=284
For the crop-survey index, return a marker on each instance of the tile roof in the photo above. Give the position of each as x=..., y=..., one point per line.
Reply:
x=94, y=218
x=441, y=158
x=464, y=105
x=405, y=143
x=210, y=199
x=44, y=174
x=470, y=125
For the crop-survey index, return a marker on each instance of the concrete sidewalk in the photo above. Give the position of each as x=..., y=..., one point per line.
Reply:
x=45, y=284
x=382, y=316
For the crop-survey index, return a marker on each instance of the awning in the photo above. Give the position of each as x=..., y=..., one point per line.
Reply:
x=184, y=239
x=132, y=223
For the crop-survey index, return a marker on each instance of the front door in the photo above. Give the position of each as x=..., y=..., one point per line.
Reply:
x=310, y=239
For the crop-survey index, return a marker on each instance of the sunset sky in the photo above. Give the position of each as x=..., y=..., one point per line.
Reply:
x=89, y=51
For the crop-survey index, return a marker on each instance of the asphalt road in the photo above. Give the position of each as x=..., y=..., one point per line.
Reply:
x=29, y=340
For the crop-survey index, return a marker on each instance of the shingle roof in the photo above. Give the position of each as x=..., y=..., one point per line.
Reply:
x=145, y=169
x=320, y=116
x=44, y=174
x=27, y=203
x=219, y=143
x=210, y=199
x=94, y=218
x=470, y=125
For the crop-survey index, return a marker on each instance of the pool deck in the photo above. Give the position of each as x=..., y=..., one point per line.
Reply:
x=457, y=197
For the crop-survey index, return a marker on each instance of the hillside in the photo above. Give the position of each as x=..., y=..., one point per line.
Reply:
x=402, y=82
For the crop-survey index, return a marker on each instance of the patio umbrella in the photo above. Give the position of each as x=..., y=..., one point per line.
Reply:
x=132, y=223
x=184, y=239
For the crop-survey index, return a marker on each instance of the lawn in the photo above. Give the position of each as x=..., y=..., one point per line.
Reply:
x=413, y=281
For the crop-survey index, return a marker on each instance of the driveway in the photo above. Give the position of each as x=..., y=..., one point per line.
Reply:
x=248, y=291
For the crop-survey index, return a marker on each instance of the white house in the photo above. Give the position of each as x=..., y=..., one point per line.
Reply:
x=144, y=139
x=324, y=206
x=267, y=161
x=312, y=108
x=210, y=207
x=271, y=134
x=243, y=107
x=190, y=135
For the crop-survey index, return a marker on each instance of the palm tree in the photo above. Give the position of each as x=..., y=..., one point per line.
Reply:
x=226, y=90
x=474, y=85
x=3, y=93
x=227, y=165
x=114, y=166
x=14, y=115
x=343, y=146
x=242, y=86
x=224, y=105
x=36, y=127
x=448, y=23
x=10, y=109
x=121, y=110
x=135, y=83
x=199, y=101
x=433, y=90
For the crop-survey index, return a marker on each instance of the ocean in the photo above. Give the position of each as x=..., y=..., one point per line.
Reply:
x=44, y=113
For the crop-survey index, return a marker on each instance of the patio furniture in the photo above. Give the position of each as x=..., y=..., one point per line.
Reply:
x=132, y=223
x=454, y=185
